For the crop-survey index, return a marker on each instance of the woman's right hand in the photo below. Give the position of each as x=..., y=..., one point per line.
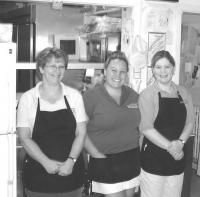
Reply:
x=52, y=166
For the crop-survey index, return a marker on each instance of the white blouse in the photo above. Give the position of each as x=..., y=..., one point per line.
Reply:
x=28, y=102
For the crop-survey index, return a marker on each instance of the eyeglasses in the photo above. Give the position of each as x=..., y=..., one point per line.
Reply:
x=54, y=68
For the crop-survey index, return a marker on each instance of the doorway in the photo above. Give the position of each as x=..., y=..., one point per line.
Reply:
x=190, y=78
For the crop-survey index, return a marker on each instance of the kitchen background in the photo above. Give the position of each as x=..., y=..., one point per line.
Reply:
x=92, y=31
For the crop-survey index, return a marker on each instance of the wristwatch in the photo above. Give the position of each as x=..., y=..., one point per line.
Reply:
x=73, y=159
x=182, y=141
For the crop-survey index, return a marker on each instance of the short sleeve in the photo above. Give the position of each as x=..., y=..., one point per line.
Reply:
x=89, y=102
x=189, y=107
x=147, y=110
x=23, y=112
x=80, y=113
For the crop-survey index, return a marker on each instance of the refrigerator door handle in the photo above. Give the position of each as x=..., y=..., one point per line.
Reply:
x=8, y=133
x=12, y=164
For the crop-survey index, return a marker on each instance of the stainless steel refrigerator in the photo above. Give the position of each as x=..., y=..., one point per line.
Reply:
x=7, y=120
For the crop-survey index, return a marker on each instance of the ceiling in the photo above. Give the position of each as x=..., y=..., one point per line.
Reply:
x=187, y=18
x=98, y=10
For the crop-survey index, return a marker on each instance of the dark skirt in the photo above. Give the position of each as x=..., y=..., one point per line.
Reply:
x=74, y=193
x=115, y=168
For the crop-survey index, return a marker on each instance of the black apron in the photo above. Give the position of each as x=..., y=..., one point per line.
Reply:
x=115, y=168
x=54, y=133
x=169, y=122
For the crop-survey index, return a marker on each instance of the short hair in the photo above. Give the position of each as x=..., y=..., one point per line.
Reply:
x=46, y=54
x=116, y=55
x=162, y=54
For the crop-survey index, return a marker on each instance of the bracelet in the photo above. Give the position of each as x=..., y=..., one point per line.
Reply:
x=182, y=141
x=73, y=159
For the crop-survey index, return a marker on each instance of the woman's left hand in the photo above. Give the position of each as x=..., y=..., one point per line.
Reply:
x=175, y=148
x=67, y=168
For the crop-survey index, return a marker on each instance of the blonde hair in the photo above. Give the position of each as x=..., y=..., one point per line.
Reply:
x=46, y=54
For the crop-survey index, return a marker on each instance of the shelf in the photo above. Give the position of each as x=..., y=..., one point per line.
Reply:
x=71, y=65
x=117, y=11
x=100, y=35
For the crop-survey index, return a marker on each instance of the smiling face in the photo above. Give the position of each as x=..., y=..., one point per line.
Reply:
x=53, y=71
x=116, y=73
x=163, y=71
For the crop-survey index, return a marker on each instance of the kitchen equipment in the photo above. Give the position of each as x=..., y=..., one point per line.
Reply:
x=100, y=45
x=7, y=121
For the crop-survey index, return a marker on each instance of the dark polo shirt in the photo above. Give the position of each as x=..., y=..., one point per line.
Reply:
x=112, y=128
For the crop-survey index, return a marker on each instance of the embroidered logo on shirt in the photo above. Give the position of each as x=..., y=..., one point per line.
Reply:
x=132, y=105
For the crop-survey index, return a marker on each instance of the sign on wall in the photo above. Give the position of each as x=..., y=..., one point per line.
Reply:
x=156, y=42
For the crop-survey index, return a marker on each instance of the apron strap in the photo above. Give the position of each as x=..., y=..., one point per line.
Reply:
x=67, y=104
x=38, y=106
x=178, y=94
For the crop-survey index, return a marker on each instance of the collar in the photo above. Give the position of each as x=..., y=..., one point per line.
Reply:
x=173, y=85
x=124, y=94
x=37, y=93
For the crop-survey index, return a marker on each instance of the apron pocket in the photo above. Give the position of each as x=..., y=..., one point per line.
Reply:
x=116, y=167
x=36, y=178
x=98, y=169
x=158, y=161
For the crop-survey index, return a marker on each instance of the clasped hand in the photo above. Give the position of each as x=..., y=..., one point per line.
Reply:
x=60, y=168
x=175, y=148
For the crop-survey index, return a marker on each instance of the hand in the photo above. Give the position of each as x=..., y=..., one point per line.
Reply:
x=175, y=149
x=178, y=156
x=66, y=168
x=175, y=146
x=52, y=166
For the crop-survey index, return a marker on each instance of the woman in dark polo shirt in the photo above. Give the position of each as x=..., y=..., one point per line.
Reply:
x=112, y=140
x=167, y=117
